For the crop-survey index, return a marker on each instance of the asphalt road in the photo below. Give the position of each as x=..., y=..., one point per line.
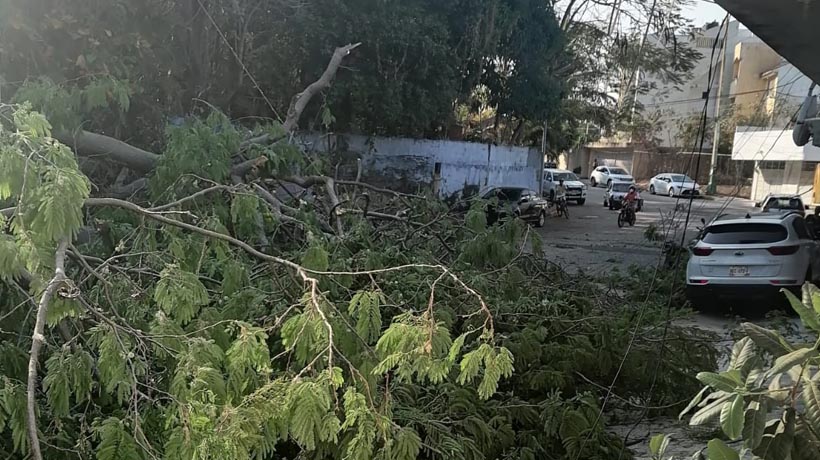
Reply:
x=591, y=241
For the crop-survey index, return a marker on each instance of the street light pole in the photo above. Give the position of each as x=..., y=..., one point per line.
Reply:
x=711, y=188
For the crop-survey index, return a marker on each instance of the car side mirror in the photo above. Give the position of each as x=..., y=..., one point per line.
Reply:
x=757, y=205
x=808, y=207
x=703, y=221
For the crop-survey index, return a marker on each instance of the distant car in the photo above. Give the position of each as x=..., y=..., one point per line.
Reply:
x=603, y=175
x=673, y=185
x=515, y=202
x=782, y=202
x=751, y=257
x=576, y=190
x=615, y=193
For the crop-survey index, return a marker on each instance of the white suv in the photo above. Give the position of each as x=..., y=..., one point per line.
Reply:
x=751, y=256
x=603, y=175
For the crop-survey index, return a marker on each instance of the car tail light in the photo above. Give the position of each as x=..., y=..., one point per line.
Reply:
x=702, y=251
x=784, y=282
x=783, y=250
x=694, y=281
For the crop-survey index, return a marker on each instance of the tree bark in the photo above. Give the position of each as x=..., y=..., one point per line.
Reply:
x=91, y=144
x=300, y=101
x=37, y=340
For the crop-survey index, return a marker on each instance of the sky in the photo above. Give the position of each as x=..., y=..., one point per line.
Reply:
x=703, y=11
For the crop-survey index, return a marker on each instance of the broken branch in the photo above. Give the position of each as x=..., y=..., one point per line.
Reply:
x=37, y=341
x=300, y=101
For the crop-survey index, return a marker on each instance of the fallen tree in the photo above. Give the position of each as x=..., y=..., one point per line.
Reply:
x=217, y=314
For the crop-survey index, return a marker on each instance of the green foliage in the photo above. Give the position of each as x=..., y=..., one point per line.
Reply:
x=116, y=443
x=181, y=346
x=180, y=294
x=198, y=147
x=65, y=106
x=365, y=308
x=67, y=373
x=756, y=397
x=42, y=176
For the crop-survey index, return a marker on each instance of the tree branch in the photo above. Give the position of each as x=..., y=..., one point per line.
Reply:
x=300, y=101
x=37, y=341
x=92, y=144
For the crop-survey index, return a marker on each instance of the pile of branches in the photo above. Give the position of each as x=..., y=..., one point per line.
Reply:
x=239, y=303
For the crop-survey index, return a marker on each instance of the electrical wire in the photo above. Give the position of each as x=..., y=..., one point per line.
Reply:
x=645, y=305
x=668, y=310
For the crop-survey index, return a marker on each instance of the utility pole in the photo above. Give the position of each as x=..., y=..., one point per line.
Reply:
x=543, y=155
x=711, y=188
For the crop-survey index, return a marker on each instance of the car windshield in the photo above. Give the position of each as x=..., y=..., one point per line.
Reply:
x=621, y=187
x=618, y=171
x=506, y=194
x=751, y=233
x=784, y=203
x=564, y=176
x=681, y=178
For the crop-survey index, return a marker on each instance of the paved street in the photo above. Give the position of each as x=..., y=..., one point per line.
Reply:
x=591, y=240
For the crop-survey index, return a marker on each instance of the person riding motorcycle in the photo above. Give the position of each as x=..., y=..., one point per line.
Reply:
x=631, y=198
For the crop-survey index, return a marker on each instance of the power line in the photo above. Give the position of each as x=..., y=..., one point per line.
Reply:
x=685, y=101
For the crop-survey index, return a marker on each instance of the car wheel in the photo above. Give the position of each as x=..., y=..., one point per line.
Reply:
x=651, y=189
x=542, y=219
x=671, y=192
x=581, y=201
x=592, y=182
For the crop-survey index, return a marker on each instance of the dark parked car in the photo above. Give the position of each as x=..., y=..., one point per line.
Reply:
x=520, y=202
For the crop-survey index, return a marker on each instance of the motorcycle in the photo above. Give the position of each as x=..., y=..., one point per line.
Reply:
x=626, y=216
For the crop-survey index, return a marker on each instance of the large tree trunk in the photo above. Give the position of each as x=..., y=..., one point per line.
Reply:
x=91, y=144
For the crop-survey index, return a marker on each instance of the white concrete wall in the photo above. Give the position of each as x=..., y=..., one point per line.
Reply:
x=763, y=144
x=406, y=163
x=791, y=179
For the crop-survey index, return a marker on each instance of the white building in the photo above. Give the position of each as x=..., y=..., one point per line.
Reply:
x=669, y=105
x=780, y=165
x=753, y=76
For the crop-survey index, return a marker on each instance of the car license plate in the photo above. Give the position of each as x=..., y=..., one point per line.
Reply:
x=739, y=271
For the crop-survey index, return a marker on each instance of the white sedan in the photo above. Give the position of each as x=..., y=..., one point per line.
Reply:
x=673, y=185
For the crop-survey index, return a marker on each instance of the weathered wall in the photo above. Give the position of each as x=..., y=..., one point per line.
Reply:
x=411, y=164
x=789, y=179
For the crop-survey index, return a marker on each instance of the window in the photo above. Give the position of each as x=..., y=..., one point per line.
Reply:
x=751, y=233
x=601, y=169
x=618, y=171
x=567, y=176
x=621, y=186
x=792, y=203
x=681, y=178
x=704, y=42
x=801, y=229
x=809, y=166
x=772, y=165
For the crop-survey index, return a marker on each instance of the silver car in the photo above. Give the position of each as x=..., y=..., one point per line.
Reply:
x=576, y=190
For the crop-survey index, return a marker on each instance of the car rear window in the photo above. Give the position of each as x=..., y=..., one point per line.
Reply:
x=750, y=233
